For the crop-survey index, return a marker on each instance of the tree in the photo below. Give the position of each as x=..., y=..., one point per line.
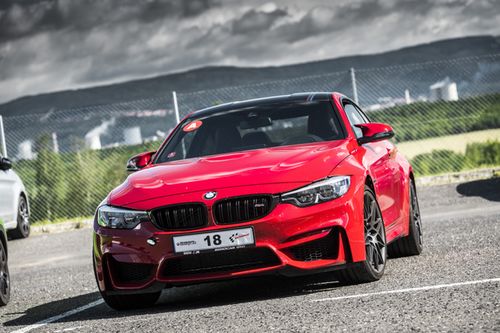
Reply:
x=48, y=202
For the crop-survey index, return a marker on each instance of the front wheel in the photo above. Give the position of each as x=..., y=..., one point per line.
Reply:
x=127, y=302
x=4, y=276
x=23, y=227
x=372, y=268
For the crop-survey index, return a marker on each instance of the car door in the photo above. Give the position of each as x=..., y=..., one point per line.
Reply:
x=380, y=159
x=7, y=197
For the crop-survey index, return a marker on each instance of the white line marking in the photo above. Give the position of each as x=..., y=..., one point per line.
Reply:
x=58, y=317
x=408, y=290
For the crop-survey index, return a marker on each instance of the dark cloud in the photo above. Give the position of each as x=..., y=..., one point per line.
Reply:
x=48, y=45
x=22, y=18
x=255, y=21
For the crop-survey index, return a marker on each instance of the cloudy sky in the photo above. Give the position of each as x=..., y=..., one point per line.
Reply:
x=49, y=45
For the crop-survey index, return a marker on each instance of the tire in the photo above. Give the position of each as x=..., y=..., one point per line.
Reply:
x=410, y=245
x=4, y=276
x=23, y=227
x=129, y=302
x=372, y=268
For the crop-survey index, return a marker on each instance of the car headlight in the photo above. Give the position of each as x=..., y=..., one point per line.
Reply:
x=321, y=191
x=120, y=218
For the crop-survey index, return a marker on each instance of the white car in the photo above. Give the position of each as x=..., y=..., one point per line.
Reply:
x=14, y=207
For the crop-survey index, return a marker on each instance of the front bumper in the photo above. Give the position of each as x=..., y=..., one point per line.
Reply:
x=290, y=241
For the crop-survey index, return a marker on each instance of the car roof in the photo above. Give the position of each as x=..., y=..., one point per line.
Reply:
x=299, y=97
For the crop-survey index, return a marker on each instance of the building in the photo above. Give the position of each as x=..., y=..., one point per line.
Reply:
x=445, y=90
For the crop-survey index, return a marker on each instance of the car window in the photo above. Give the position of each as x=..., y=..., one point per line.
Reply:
x=262, y=126
x=363, y=114
x=355, y=117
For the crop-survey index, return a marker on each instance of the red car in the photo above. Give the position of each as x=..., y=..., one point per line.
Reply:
x=289, y=185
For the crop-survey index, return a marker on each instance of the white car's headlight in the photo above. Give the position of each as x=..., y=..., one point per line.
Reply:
x=120, y=218
x=318, y=192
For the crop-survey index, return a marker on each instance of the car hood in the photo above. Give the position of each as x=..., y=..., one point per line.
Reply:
x=292, y=164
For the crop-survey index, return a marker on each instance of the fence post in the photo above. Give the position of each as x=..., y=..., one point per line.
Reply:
x=176, y=107
x=2, y=138
x=354, y=86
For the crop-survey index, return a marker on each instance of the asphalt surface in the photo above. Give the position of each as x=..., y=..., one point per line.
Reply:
x=453, y=286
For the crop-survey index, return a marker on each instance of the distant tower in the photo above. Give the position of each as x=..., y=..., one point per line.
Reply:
x=132, y=136
x=407, y=97
x=25, y=150
x=445, y=90
x=93, y=141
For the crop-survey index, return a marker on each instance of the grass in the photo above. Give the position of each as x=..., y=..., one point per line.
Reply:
x=456, y=143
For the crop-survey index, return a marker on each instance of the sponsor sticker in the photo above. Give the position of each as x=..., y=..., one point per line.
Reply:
x=192, y=126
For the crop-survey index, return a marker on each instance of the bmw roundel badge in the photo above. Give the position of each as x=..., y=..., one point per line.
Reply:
x=210, y=195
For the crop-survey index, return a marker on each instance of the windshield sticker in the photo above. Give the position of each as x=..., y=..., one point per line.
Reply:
x=192, y=126
x=171, y=155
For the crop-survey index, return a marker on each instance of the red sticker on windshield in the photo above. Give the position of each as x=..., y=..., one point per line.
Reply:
x=192, y=126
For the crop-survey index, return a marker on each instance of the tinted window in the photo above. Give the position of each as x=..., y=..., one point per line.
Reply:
x=365, y=117
x=355, y=117
x=271, y=125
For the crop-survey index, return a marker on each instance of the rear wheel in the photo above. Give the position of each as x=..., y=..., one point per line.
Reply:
x=372, y=268
x=412, y=244
x=23, y=223
x=4, y=276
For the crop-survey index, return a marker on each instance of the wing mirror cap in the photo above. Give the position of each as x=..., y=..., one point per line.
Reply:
x=373, y=132
x=140, y=161
x=5, y=164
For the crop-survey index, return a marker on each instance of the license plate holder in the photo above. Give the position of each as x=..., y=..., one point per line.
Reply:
x=214, y=241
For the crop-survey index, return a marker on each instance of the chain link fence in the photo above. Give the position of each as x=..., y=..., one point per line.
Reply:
x=446, y=116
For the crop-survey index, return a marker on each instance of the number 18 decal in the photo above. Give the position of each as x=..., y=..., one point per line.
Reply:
x=215, y=239
x=192, y=126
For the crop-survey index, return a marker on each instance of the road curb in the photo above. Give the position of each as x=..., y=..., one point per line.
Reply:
x=60, y=227
x=458, y=177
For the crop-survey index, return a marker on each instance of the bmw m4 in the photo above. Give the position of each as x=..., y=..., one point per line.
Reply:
x=291, y=185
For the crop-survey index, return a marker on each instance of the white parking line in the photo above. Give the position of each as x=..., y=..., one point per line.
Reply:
x=58, y=317
x=408, y=290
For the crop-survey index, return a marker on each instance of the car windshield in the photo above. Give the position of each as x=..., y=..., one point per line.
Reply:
x=254, y=127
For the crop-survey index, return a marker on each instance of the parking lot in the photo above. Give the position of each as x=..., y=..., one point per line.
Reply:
x=453, y=286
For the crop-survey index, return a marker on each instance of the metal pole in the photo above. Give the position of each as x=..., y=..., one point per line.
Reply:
x=2, y=138
x=354, y=86
x=176, y=107
x=55, y=145
x=178, y=119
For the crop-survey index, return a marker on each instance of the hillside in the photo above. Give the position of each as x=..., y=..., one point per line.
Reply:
x=214, y=77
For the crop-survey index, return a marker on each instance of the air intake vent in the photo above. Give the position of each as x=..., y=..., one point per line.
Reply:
x=221, y=261
x=124, y=273
x=243, y=209
x=324, y=248
x=180, y=217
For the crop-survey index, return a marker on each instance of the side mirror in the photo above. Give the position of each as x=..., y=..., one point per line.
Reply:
x=373, y=132
x=5, y=164
x=138, y=162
